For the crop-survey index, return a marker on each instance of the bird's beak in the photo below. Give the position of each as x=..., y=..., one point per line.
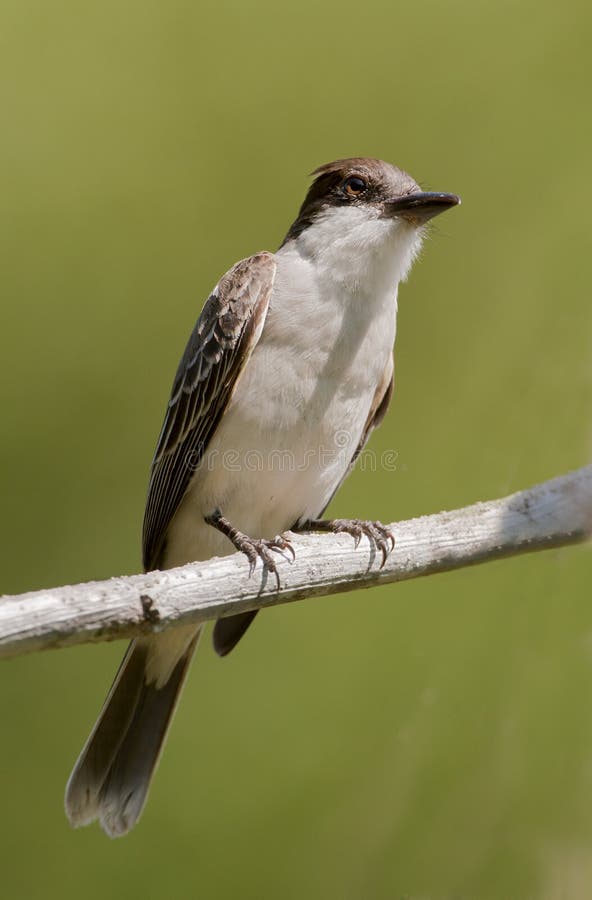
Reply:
x=421, y=206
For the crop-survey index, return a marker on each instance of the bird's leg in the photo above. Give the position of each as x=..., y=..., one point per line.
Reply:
x=378, y=534
x=253, y=548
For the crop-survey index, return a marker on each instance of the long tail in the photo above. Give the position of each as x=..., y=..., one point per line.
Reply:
x=111, y=778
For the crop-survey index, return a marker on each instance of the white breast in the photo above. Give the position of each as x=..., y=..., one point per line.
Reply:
x=299, y=410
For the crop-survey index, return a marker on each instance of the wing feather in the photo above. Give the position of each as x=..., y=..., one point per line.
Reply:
x=224, y=337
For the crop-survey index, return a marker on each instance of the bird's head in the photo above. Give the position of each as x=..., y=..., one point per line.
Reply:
x=362, y=210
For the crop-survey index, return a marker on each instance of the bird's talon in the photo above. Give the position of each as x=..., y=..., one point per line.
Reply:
x=285, y=543
x=378, y=534
x=261, y=549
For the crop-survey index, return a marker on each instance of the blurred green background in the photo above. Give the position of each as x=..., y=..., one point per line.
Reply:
x=427, y=740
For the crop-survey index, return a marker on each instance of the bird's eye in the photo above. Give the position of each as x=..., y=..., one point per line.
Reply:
x=354, y=186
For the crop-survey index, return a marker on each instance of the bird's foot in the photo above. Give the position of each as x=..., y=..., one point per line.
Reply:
x=380, y=537
x=253, y=548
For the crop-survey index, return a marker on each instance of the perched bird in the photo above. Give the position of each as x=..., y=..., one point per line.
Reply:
x=290, y=361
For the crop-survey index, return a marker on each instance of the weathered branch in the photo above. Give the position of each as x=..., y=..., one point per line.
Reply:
x=552, y=514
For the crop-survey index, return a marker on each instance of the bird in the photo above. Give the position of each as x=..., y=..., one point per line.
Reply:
x=291, y=359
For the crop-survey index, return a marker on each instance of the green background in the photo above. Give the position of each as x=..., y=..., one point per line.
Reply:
x=423, y=741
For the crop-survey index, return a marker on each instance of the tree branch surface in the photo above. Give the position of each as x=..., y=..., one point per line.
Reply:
x=553, y=514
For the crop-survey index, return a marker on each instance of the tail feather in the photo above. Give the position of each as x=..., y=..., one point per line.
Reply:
x=111, y=778
x=228, y=632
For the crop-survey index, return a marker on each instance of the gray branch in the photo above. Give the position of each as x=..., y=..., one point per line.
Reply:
x=552, y=514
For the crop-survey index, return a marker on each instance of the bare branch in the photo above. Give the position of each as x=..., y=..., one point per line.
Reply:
x=552, y=514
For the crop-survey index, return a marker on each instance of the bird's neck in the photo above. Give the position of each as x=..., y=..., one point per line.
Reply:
x=369, y=256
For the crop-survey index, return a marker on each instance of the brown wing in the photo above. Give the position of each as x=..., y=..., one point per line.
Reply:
x=221, y=342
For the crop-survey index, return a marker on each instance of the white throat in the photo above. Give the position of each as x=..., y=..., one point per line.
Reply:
x=357, y=249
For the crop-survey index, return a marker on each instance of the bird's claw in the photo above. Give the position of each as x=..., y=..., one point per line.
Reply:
x=378, y=534
x=253, y=548
x=259, y=548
